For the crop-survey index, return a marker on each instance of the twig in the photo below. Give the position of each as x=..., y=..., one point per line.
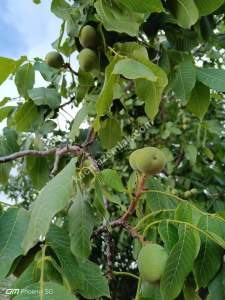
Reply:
x=134, y=233
x=67, y=103
x=68, y=66
x=179, y=159
x=122, y=221
x=119, y=223
x=90, y=138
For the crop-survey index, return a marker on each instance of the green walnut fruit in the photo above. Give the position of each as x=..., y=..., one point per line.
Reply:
x=88, y=37
x=54, y=59
x=187, y=194
x=194, y=191
x=88, y=60
x=151, y=262
x=148, y=160
x=174, y=192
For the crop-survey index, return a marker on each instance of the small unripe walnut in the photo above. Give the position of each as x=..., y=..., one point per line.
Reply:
x=88, y=60
x=148, y=160
x=152, y=260
x=194, y=191
x=54, y=60
x=88, y=37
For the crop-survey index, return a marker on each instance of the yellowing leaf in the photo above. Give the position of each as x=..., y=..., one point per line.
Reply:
x=133, y=69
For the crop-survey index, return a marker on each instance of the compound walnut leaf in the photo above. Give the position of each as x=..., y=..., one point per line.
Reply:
x=84, y=277
x=143, y=6
x=133, y=69
x=105, y=99
x=179, y=264
x=185, y=79
x=52, y=199
x=81, y=222
x=213, y=78
x=8, y=66
x=199, y=101
x=185, y=11
x=209, y=259
x=24, y=79
x=116, y=17
x=45, y=96
x=11, y=236
x=110, y=133
x=207, y=7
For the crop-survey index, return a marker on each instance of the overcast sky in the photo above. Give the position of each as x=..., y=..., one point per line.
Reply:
x=26, y=29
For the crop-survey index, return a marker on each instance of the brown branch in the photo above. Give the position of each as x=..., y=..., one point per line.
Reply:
x=77, y=150
x=134, y=233
x=134, y=202
x=24, y=153
x=119, y=223
x=179, y=159
x=106, y=227
x=90, y=138
x=122, y=221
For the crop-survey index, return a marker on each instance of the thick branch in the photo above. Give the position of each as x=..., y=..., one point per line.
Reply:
x=122, y=221
x=63, y=151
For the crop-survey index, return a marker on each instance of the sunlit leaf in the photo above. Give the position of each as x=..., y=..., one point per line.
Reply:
x=45, y=96
x=116, y=17
x=24, y=79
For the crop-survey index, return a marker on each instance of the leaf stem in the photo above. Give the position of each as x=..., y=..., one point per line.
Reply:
x=42, y=272
x=151, y=215
x=138, y=289
x=219, y=242
x=125, y=274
